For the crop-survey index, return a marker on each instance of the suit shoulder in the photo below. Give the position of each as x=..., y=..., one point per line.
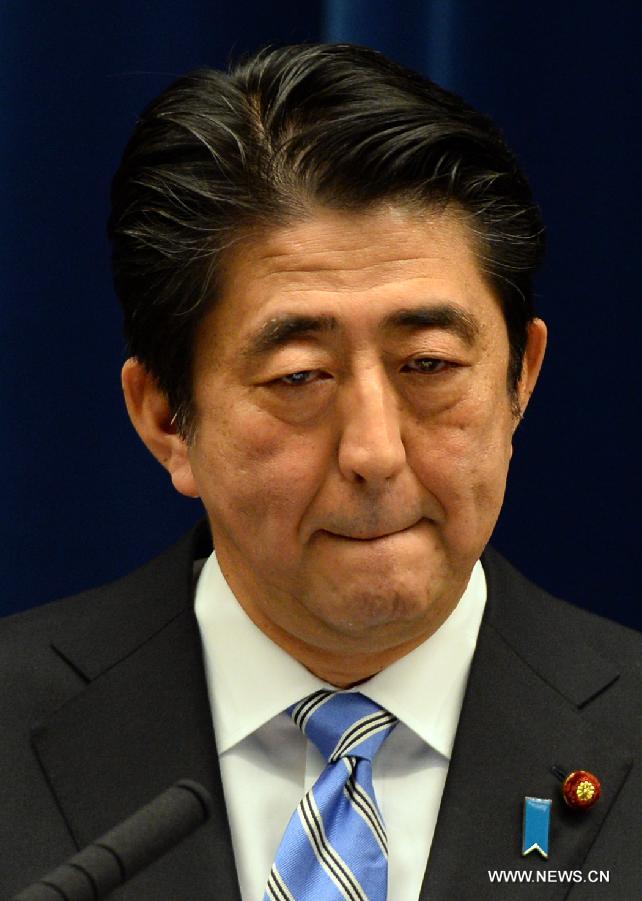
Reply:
x=50, y=652
x=150, y=590
x=569, y=623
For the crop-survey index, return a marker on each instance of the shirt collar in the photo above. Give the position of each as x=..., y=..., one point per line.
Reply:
x=424, y=689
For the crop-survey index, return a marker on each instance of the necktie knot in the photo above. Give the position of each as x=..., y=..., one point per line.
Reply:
x=335, y=845
x=343, y=724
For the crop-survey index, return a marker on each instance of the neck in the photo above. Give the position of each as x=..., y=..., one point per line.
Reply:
x=351, y=661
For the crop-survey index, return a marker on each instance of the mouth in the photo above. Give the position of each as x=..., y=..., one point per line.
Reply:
x=370, y=536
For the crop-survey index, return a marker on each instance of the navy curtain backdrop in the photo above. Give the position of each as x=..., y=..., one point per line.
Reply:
x=83, y=501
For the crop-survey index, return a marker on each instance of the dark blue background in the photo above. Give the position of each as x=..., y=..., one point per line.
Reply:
x=83, y=500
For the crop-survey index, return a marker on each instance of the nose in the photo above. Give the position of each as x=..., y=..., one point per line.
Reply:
x=371, y=447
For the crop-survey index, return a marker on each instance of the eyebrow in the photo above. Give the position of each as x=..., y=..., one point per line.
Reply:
x=448, y=316
x=281, y=330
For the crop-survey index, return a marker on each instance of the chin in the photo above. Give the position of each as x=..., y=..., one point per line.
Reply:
x=360, y=610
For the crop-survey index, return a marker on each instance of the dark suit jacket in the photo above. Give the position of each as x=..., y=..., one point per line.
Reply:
x=103, y=704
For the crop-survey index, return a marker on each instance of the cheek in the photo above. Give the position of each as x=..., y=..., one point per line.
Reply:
x=251, y=465
x=464, y=460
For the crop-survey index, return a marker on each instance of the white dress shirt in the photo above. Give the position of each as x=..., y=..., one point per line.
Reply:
x=267, y=764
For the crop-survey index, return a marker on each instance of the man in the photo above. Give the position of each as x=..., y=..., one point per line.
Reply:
x=324, y=263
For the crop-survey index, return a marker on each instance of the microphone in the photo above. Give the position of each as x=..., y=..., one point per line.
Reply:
x=127, y=848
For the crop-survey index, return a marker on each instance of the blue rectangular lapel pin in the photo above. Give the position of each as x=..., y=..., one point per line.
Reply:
x=537, y=821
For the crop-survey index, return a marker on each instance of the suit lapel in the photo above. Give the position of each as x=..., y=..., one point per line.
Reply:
x=521, y=715
x=142, y=722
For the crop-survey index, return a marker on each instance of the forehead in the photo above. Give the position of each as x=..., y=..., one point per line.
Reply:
x=352, y=271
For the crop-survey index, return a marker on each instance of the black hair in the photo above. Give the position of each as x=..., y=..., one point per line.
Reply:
x=218, y=155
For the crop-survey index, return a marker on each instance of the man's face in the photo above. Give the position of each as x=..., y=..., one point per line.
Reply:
x=353, y=426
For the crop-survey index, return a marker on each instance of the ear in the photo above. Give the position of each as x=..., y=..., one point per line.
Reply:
x=533, y=358
x=151, y=416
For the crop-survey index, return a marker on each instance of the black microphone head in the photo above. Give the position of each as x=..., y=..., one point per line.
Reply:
x=127, y=848
x=201, y=793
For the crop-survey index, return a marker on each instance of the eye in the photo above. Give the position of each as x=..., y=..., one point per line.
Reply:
x=301, y=378
x=428, y=365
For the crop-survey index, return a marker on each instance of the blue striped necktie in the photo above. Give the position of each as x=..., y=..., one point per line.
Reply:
x=335, y=846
